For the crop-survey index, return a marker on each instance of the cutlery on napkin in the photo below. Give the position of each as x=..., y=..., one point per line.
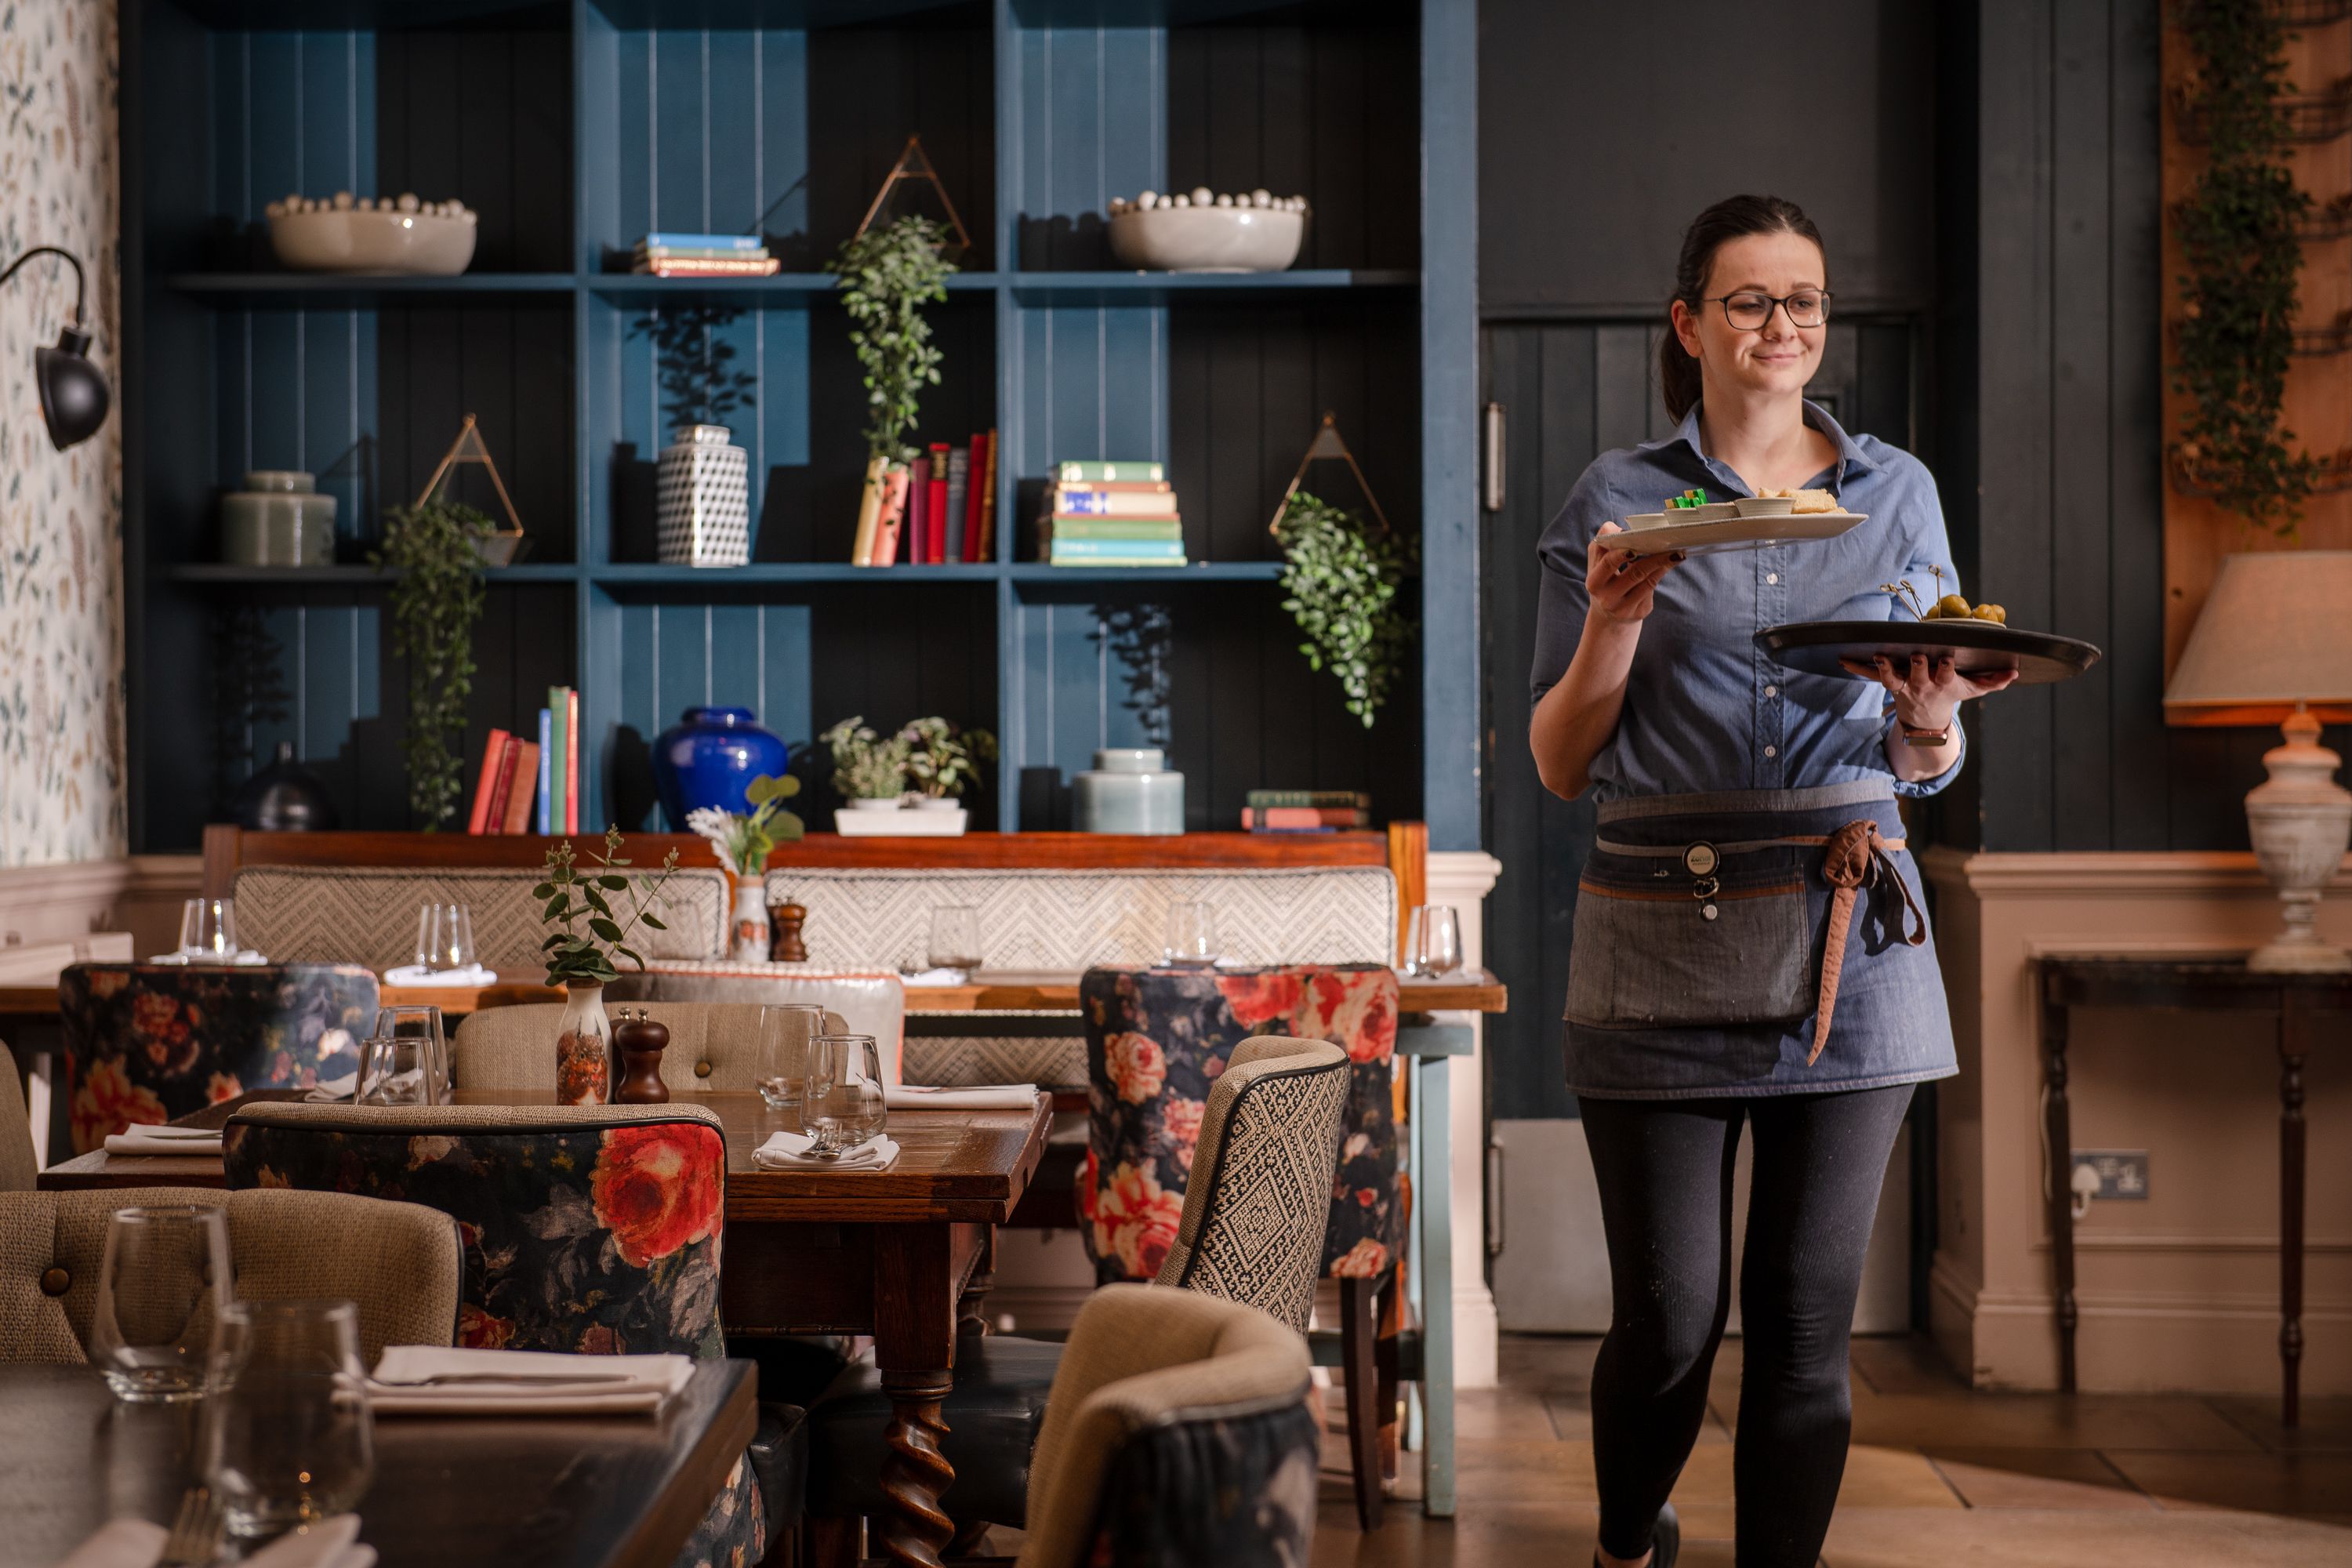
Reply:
x=417, y=974
x=973, y=1096
x=248, y=958
x=435, y=1380
x=332, y=1088
x=790, y=1152
x=137, y=1542
x=942, y=976
x=141, y=1138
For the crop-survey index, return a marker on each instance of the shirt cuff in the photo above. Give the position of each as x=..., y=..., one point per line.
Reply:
x=1917, y=789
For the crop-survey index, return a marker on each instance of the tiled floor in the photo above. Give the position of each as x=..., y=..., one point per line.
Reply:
x=1940, y=1475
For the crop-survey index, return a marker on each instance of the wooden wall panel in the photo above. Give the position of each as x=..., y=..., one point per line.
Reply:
x=484, y=116
x=869, y=88
x=509, y=362
x=1093, y=126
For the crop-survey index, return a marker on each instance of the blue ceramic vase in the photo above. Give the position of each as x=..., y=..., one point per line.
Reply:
x=710, y=758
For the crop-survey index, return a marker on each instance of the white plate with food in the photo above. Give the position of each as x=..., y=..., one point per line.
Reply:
x=1733, y=532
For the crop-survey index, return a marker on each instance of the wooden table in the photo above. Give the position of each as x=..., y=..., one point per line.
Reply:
x=569, y=1492
x=2199, y=981
x=905, y=1255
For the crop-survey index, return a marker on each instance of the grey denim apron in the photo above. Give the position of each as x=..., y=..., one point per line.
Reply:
x=1753, y=942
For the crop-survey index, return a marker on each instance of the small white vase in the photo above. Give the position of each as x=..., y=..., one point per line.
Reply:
x=703, y=504
x=583, y=1047
x=749, y=941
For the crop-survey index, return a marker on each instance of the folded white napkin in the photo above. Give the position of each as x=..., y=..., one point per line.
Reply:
x=521, y=1383
x=417, y=974
x=333, y=1089
x=248, y=957
x=936, y=977
x=789, y=1151
x=137, y=1542
x=141, y=1138
x=975, y=1097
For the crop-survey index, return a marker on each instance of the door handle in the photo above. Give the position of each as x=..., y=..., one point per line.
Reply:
x=1493, y=477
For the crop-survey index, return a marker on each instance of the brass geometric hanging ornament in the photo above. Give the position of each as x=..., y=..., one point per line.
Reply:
x=468, y=447
x=1328, y=444
x=915, y=164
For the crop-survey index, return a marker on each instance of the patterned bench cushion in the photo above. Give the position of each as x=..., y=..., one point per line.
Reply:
x=367, y=914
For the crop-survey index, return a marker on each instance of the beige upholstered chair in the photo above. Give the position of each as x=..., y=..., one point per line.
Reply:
x=712, y=1045
x=872, y=1002
x=18, y=1166
x=1181, y=1431
x=398, y=1261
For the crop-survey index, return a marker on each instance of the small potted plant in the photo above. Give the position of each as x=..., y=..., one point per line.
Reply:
x=868, y=768
x=943, y=761
x=743, y=842
x=581, y=960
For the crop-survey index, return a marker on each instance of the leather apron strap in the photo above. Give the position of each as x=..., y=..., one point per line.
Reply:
x=1857, y=855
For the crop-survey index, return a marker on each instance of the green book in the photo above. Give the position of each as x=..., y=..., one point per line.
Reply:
x=559, y=777
x=1106, y=472
x=1118, y=527
x=1318, y=799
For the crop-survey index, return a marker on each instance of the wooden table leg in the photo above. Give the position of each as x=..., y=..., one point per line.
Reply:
x=2292, y=1047
x=915, y=1294
x=2058, y=1126
x=971, y=1314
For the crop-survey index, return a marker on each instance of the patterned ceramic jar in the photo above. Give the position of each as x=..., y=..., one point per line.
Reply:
x=704, y=505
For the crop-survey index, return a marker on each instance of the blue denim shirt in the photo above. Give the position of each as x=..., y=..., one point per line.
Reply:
x=1704, y=708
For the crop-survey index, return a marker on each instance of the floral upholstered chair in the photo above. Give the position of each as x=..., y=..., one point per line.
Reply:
x=590, y=1230
x=153, y=1041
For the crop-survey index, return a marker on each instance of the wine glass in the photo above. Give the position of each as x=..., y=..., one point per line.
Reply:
x=955, y=938
x=842, y=1104
x=163, y=1285
x=785, y=1030
x=1432, y=942
x=208, y=931
x=289, y=1439
x=445, y=937
x=1191, y=936
x=421, y=1022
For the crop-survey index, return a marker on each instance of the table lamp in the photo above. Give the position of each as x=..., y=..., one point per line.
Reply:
x=2275, y=637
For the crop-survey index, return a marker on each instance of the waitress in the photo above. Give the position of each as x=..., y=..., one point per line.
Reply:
x=1749, y=945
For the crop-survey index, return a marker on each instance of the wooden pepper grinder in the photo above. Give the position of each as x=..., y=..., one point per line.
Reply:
x=641, y=1042
x=787, y=947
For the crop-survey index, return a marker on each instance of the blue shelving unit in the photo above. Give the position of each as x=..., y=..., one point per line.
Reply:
x=573, y=127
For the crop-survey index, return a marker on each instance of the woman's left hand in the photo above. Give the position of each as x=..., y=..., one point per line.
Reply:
x=1926, y=695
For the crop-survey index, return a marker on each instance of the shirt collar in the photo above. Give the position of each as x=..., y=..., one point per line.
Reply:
x=1849, y=456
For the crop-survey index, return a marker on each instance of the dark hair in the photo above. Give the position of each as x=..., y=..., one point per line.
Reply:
x=1734, y=217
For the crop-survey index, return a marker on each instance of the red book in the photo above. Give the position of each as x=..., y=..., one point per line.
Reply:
x=935, y=511
x=571, y=762
x=918, y=518
x=524, y=789
x=972, y=505
x=485, y=786
x=888, y=520
x=503, y=782
x=988, y=503
x=1303, y=817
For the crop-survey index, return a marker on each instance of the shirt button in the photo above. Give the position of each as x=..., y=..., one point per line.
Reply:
x=1771, y=751
x=1772, y=577
x=1771, y=691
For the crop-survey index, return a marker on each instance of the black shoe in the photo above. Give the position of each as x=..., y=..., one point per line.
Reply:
x=1666, y=1540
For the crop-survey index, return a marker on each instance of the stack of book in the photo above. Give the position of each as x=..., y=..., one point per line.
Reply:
x=938, y=510
x=1107, y=513
x=702, y=256
x=1305, y=810
x=532, y=786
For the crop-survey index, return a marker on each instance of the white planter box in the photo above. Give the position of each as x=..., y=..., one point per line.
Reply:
x=900, y=824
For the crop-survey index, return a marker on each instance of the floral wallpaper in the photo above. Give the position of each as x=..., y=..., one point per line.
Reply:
x=62, y=768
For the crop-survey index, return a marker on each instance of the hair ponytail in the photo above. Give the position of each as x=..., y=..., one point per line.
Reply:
x=1735, y=218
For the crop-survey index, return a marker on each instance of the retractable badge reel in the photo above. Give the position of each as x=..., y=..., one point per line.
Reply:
x=1701, y=861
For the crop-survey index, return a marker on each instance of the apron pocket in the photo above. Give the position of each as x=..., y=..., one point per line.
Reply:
x=1653, y=959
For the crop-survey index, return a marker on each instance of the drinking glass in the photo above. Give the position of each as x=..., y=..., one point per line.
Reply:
x=785, y=1030
x=423, y=1023
x=445, y=937
x=288, y=1439
x=1191, y=936
x=208, y=931
x=841, y=1100
x=955, y=937
x=1432, y=942
x=395, y=1070
x=161, y=1286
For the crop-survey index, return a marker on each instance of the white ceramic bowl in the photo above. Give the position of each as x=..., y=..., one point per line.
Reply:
x=1639, y=520
x=352, y=241
x=1207, y=239
x=1765, y=506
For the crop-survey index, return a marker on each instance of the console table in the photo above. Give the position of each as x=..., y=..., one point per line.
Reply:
x=2297, y=1002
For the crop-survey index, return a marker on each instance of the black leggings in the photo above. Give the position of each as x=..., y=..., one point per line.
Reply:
x=1665, y=1170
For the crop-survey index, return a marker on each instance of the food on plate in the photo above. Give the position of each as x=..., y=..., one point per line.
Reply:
x=1689, y=500
x=1947, y=607
x=1806, y=501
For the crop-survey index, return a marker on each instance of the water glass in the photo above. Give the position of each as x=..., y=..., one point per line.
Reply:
x=1432, y=942
x=162, y=1288
x=955, y=937
x=208, y=931
x=288, y=1439
x=395, y=1070
x=422, y=1023
x=445, y=937
x=1191, y=936
x=785, y=1030
x=842, y=1104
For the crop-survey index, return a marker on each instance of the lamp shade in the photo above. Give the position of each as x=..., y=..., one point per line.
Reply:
x=2276, y=630
x=74, y=397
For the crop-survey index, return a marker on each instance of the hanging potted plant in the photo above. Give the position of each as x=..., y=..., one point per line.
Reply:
x=1341, y=583
x=435, y=603
x=886, y=276
x=581, y=960
x=703, y=484
x=744, y=840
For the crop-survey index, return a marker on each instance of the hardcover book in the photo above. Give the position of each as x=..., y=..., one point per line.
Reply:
x=1101, y=470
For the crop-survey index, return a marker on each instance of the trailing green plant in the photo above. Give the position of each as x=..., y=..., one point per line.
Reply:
x=2238, y=233
x=886, y=276
x=943, y=759
x=867, y=765
x=1342, y=584
x=435, y=602
x=743, y=839
x=700, y=383
x=573, y=897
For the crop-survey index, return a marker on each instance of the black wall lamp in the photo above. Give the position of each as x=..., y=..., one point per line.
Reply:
x=74, y=397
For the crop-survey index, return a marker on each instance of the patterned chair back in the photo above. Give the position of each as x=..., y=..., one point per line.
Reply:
x=153, y=1041
x=1158, y=1041
x=712, y=1045
x=1255, y=1213
x=1178, y=1431
x=591, y=1229
x=398, y=1262
x=18, y=1170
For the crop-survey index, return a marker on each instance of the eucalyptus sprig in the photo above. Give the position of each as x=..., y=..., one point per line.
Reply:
x=572, y=895
x=435, y=603
x=886, y=276
x=1342, y=585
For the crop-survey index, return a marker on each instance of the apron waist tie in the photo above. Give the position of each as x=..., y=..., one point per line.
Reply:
x=1856, y=856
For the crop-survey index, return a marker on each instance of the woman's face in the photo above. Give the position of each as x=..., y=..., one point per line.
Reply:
x=1776, y=358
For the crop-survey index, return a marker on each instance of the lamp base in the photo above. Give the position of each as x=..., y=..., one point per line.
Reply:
x=2300, y=821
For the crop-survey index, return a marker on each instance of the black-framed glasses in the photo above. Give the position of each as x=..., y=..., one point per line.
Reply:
x=1749, y=310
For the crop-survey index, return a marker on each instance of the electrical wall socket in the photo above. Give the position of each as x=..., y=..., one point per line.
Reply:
x=2121, y=1173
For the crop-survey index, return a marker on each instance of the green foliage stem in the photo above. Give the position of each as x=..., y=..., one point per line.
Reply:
x=1342, y=584
x=886, y=276
x=571, y=897
x=435, y=603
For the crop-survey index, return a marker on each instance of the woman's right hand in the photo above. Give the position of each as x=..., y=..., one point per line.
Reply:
x=1625, y=586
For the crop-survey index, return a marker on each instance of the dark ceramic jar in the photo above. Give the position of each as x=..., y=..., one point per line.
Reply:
x=284, y=798
x=710, y=758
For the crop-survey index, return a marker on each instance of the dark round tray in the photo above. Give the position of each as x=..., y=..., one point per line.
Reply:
x=1981, y=646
